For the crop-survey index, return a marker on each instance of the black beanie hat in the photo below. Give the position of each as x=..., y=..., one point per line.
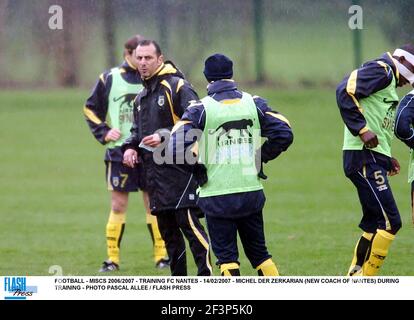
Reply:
x=218, y=67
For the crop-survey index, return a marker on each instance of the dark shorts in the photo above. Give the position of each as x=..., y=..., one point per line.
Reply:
x=223, y=236
x=378, y=205
x=122, y=178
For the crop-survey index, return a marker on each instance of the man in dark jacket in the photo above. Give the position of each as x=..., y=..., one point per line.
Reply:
x=367, y=100
x=231, y=194
x=405, y=116
x=108, y=112
x=171, y=188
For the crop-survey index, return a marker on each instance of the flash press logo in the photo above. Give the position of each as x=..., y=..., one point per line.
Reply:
x=16, y=288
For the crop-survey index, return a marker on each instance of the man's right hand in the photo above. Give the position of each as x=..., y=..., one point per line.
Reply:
x=369, y=139
x=200, y=173
x=153, y=140
x=130, y=158
x=259, y=165
x=113, y=135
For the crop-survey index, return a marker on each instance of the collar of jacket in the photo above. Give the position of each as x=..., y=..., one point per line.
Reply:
x=221, y=86
x=388, y=59
x=166, y=69
x=127, y=65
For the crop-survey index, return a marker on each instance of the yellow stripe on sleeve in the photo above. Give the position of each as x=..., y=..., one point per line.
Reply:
x=279, y=116
x=351, y=85
x=351, y=88
x=384, y=65
x=179, y=124
x=169, y=94
x=91, y=116
x=166, y=84
x=101, y=77
x=363, y=130
x=179, y=85
x=175, y=117
x=397, y=72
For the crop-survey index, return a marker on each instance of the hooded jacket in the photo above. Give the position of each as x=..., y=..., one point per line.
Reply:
x=162, y=102
x=274, y=127
x=96, y=107
x=371, y=77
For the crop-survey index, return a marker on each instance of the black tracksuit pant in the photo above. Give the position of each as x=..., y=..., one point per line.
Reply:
x=173, y=224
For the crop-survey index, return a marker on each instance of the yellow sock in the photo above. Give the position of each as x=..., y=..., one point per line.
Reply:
x=159, y=245
x=267, y=269
x=114, y=231
x=379, y=251
x=360, y=254
x=230, y=269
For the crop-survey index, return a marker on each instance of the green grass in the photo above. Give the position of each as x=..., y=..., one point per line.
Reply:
x=54, y=204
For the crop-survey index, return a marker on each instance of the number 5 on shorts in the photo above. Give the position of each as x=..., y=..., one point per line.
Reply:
x=379, y=177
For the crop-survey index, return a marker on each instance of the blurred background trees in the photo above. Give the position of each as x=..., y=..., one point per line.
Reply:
x=286, y=43
x=397, y=21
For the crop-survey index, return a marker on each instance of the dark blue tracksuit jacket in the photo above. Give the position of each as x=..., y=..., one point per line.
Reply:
x=405, y=120
x=273, y=127
x=372, y=77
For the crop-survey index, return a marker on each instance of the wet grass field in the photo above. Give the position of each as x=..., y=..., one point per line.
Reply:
x=54, y=204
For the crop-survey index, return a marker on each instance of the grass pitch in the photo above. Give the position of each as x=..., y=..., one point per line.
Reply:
x=54, y=204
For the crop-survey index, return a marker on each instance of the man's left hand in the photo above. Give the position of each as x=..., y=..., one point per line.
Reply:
x=130, y=158
x=153, y=140
x=395, y=167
